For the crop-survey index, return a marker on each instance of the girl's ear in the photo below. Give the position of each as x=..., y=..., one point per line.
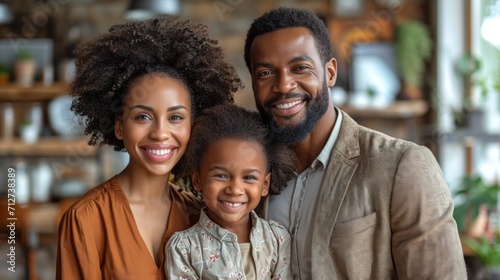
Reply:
x=195, y=181
x=265, y=186
x=119, y=128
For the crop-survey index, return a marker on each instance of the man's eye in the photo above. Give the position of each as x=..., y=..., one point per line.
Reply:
x=301, y=67
x=264, y=73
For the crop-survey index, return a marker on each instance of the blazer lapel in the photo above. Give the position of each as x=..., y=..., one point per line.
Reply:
x=339, y=172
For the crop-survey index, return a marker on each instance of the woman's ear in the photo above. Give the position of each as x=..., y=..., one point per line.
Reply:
x=195, y=181
x=119, y=128
x=265, y=187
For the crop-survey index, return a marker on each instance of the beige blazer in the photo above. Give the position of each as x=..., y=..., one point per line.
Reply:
x=384, y=212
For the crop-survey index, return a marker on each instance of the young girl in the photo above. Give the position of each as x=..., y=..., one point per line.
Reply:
x=233, y=164
x=139, y=87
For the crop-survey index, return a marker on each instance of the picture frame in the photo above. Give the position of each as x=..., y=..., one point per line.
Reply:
x=347, y=8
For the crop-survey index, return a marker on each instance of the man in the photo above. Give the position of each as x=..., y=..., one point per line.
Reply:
x=363, y=205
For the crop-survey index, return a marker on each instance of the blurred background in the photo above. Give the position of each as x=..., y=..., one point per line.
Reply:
x=423, y=70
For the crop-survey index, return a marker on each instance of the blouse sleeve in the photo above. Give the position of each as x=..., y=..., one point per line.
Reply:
x=77, y=255
x=178, y=263
x=283, y=268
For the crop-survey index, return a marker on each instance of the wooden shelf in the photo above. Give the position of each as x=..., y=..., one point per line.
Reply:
x=402, y=109
x=462, y=134
x=47, y=146
x=37, y=92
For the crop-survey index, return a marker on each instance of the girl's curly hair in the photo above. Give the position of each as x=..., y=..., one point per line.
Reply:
x=106, y=67
x=234, y=122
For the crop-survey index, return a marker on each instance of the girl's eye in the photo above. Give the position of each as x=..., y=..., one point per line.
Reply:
x=250, y=178
x=220, y=176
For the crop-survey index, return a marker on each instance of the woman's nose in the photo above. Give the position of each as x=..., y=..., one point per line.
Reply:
x=160, y=131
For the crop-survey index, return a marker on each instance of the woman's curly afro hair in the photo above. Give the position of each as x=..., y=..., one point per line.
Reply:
x=233, y=122
x=106, y=67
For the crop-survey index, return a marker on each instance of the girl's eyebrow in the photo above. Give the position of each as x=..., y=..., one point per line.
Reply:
x=225, y=169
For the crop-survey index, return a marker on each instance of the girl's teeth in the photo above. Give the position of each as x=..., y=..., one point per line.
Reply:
x=287, y=105
x=159, y=152
x=232, y=204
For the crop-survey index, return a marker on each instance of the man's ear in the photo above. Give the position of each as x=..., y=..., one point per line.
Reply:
x=195, y=181
x=331, y=72
x=119, y=128
x=265, y=187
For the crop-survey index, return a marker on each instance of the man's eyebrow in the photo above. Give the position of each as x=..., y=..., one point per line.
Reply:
x=300, y=58
x=293, y=60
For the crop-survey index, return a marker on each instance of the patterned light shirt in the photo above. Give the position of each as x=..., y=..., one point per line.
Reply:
x=207, y=251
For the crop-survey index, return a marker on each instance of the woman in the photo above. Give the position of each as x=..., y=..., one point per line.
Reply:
x=139, y=87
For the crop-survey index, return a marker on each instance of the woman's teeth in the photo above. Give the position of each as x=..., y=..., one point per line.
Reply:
x=159, y=152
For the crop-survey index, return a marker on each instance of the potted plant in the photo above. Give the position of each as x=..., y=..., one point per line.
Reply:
x=28, y=132
x=488, y=251
x=473, y=193
x=470, y=113
x=4, y=73
x=413, y=48
x=476, y=224
x=24, y=68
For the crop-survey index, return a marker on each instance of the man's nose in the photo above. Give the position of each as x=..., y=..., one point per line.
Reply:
x=285, y=82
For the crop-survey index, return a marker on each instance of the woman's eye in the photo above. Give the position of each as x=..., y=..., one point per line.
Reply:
x=143, y=117
x=176, y=118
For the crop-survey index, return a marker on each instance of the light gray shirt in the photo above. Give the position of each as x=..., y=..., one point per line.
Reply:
x=295, y=206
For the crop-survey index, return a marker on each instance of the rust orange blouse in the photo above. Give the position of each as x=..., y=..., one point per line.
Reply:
x=99, y=239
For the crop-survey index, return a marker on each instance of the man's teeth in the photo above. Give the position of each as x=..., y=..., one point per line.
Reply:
x=230, y=204
x=159, y=152
x=287, y=105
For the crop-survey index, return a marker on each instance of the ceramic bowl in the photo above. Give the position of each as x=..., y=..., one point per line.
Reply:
x=62, y=120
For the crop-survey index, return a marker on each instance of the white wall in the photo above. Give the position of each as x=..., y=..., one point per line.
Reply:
x=450, y=47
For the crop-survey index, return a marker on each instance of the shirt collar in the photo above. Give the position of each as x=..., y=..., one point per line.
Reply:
x=221, y=233
x=324, y=155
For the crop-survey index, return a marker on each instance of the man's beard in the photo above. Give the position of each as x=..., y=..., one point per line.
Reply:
x=291, y=135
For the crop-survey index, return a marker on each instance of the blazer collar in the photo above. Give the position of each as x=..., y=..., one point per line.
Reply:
x=337, y=180
x=348, y=140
